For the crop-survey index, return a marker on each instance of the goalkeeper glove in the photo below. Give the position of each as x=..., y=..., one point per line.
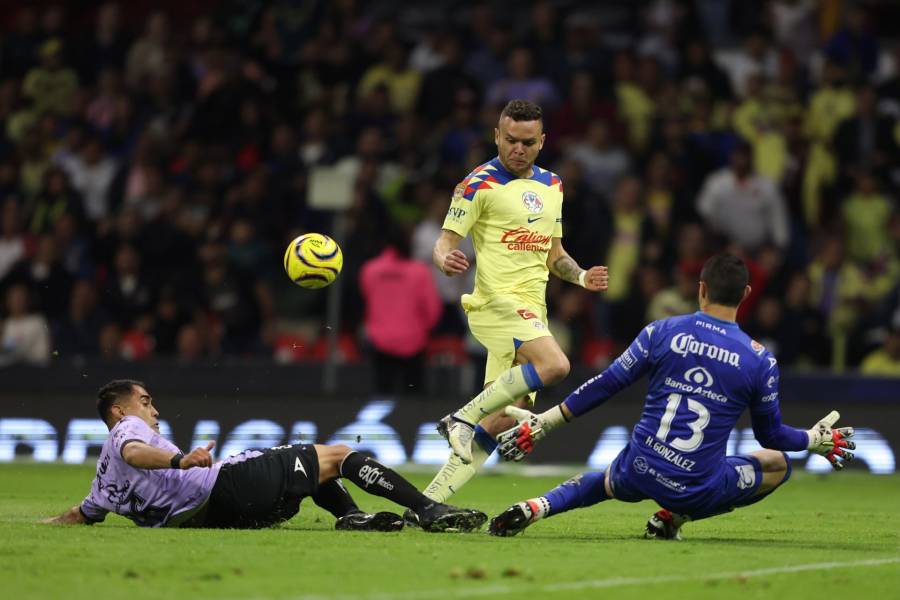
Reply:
x=831, y=442
x=516, y=443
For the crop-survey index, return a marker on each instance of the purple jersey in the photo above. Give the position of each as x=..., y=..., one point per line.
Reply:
x=149, y=497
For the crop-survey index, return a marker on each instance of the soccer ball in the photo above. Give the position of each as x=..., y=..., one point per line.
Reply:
x=313, y=260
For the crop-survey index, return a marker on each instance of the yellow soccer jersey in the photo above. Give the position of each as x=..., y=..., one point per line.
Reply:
x=512, y=221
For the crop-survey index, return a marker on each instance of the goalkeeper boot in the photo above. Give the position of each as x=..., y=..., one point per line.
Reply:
x=513, y=520
x=438, y=517
x=361, y=521
x=664, y=525
x=460, y=435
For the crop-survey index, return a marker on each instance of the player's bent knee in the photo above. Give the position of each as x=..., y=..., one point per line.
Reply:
x=772, y=461
x=330, y=459
x=553, y=371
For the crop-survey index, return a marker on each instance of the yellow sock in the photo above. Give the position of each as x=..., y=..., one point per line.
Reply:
x=513, y=384
x=455, y=474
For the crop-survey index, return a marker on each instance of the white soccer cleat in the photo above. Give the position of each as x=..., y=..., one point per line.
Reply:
x=460, y=435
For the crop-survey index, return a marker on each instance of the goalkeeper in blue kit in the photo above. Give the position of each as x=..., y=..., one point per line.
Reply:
x=704, y=371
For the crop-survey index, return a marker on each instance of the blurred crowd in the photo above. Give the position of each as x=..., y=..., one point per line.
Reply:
x=154, y=163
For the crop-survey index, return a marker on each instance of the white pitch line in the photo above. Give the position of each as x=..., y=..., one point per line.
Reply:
x=491, y=590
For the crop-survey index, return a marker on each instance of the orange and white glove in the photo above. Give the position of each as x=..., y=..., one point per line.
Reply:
x=831, y=442
x=517, y=442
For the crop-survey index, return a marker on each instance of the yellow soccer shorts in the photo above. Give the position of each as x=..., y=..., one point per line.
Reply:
x=502, y=324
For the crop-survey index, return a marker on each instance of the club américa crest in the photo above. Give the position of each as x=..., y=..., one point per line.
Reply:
x=532, y=202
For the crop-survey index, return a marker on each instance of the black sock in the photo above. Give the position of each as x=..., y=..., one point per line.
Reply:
x=377, y=479
x=334, y=497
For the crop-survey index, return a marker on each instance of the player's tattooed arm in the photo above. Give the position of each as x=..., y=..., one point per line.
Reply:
x=566, y=269
x=561, y=264
x=595, y=279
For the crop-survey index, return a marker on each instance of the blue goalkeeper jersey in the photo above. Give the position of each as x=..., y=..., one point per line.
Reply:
x=703, y=373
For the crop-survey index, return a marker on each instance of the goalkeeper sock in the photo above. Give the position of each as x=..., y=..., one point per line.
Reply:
x=334, y=497
x=513, y=384
x=455, y=473
x=378, y=480
x=582, y=490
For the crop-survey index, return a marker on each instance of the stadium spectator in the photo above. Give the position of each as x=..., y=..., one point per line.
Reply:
x=801, y=338
x=442, y=86
x=402, y=306
x=865, y=142
x=884, y=362
x=602, y=161
x=104, y=49
x=698, y=66
x=744, y=206
x=522, y=82
x=394, y=73
x=56, y=199
x=679, y=299
x=853, y=46
x=128, y=294
x=48, y=281
x=24, y=336
x=147, y=56
x=14, y=244
x=52, y=85
x=92, y=173
x=867, y=215
x=77, y=333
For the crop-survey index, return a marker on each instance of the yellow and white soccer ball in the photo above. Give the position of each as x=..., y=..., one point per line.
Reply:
x=313, y=260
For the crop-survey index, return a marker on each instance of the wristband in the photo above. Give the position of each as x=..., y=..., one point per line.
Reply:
x=175, y=463
x=553, y=418
x=581, y=277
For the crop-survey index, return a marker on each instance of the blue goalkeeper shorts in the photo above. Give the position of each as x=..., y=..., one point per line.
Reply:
x=634, y=479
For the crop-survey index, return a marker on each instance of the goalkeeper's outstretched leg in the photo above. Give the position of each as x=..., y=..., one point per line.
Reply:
x=747, y=480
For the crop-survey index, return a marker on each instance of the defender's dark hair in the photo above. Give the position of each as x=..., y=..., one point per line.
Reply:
x=726, y=277
x=112, y=391
x=522, y=110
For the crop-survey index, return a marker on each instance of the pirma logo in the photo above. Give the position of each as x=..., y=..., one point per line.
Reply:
x=532, y=202
x=640, y=465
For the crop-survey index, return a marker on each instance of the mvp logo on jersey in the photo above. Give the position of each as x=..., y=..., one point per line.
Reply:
x=522, y=238
x=532, y=202
x=685, y=343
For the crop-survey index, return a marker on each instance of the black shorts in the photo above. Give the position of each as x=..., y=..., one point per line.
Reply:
x=264, y=490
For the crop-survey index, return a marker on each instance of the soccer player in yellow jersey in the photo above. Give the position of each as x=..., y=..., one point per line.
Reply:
x=513, y=211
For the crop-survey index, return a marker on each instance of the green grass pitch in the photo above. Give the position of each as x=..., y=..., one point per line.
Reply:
x=819, y=536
